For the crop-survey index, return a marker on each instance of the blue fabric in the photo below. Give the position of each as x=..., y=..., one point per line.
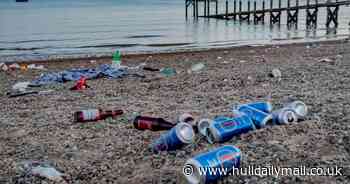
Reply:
x=75, y=74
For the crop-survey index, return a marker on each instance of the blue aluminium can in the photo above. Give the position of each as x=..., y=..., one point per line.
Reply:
x=284, y=116
x=260, y=105
x=223, y=128
x=175, y=138
x=299, y=108
x=259, y=117
x=226, y=158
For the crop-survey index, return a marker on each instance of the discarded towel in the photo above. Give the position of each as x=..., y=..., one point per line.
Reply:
x=104, y=70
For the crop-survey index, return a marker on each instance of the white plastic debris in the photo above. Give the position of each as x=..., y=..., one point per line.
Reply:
x=131, y=67
x=20, y=86
x=3, y=67
x=196, y=67
x=41, y=169
x=46, y=92
x=326, y=60
x=36, y=67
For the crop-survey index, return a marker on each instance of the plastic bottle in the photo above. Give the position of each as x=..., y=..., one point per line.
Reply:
x=116, y=62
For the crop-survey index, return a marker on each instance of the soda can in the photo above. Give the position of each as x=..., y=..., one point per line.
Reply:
x=196, y=169
x=262, y=106
x=223, y=128
x=284, y=116
x=259, y=118
x=299, y=108
x=203, y=126
x=175, y=138
x=187, y=118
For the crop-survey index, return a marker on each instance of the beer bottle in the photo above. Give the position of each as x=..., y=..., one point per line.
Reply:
x=151, y=123
x=95, y=115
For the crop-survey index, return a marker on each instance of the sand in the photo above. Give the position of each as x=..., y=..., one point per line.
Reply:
x=40, y=127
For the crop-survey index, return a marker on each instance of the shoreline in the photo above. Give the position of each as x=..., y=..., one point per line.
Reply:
x=282, y=43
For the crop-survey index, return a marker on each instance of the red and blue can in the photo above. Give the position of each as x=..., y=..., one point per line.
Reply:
x=259, y=117
x=222, y=129
x=204, y=168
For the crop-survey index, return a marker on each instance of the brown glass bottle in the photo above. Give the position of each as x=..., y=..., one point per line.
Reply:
x=151, y=123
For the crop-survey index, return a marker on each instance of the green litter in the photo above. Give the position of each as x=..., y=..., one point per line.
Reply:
x=168, y=72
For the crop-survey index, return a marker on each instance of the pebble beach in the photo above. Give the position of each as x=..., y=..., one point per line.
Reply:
x=41, y=127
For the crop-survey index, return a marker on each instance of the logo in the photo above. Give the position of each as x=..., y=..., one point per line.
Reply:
x=227, y=158
x=161, y=144
x=230, y=124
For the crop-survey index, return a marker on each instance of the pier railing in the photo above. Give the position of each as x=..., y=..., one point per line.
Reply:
x=255, y=14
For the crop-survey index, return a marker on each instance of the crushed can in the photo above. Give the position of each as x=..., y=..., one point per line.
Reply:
x=299, y=108
x=284, y=116
x=196, y=169
x=262, y=106
x=175, y=138
x=224, y=128
x=259, y=118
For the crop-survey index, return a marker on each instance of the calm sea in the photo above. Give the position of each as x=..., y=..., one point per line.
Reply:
x=42, y=29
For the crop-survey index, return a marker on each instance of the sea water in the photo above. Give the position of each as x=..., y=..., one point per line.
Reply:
x=41, y=29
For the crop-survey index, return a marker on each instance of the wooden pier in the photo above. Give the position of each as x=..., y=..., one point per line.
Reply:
x=233, y=11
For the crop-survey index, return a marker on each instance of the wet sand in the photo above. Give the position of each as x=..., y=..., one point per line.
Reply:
x=40, y=127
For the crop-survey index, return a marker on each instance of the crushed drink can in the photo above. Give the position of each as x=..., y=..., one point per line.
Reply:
x=196, y=169
x=223, y=128
x=299, y=108
x=262, y=106
x=203, y=126
x=175, y=138
x=259, y=117
x=284, y=116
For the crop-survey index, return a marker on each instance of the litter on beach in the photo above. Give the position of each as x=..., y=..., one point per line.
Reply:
x=20, y=86
x=196, y=68
x=168, y=72
x=41, y=169
x=81, y=84
x=36, y=67
x=24, y=67
x=104, y=70
x=248, y=117
x=24, y=93
x=3, y=67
